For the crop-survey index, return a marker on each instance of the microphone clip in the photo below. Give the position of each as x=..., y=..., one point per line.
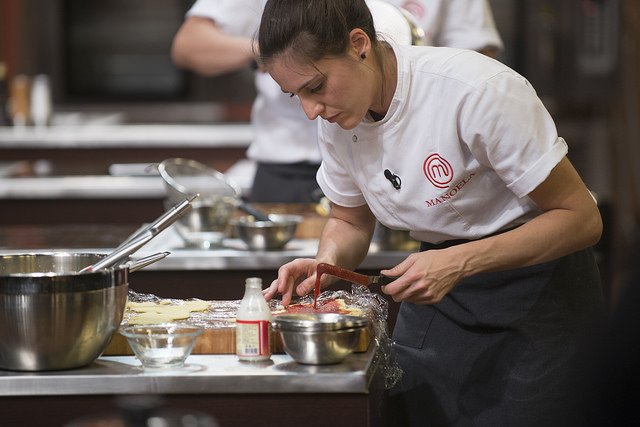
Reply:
x=393, y=179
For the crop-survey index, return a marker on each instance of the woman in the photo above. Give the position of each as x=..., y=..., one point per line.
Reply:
x=457, y=148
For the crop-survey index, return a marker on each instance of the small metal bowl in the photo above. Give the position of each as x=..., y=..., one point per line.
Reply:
x=266, y=235
x=319, y=339
x=162, y=346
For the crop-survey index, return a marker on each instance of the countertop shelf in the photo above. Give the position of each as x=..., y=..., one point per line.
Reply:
x=201, y=374
x=89, y=137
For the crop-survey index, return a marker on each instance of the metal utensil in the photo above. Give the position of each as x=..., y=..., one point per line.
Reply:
x=139, y=263
x=136, y=242
x=352, y=276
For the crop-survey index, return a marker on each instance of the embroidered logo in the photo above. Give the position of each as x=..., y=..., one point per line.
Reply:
x=438, y=171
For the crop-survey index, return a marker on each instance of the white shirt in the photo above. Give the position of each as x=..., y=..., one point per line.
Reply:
x=466, y=24
x=467, y=136
x=282, y=132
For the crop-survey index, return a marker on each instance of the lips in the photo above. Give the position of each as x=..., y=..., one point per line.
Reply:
x=333, y=118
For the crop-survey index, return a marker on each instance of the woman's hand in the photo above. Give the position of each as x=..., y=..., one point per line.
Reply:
x=298, y=275
x=424, y=277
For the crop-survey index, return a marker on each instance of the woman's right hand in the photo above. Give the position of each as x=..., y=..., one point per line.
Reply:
x=298, y=275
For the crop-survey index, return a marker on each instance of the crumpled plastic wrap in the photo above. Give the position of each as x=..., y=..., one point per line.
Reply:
x=222, y=314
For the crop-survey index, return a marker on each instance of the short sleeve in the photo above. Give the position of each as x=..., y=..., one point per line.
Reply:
x=507, y=128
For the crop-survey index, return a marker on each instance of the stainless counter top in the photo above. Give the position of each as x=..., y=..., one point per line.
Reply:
x=149, y=186
x=223, y=374
x=233, y=255
x=127, y=136
x=83, y=187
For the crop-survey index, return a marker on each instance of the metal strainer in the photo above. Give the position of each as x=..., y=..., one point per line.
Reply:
x=205, y=226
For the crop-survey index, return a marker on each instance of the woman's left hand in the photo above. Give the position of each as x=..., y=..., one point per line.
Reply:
x=424, y=277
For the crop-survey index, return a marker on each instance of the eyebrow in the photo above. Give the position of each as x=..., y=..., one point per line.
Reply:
x=307, y=83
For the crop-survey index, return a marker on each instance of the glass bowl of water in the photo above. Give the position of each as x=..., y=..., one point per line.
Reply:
x=162, y=346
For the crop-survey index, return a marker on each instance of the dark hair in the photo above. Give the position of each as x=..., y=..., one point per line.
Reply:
x=312, y=29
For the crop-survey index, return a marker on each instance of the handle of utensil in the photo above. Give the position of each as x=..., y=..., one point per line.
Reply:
x=383, y=280
x=165, y=220
x=173, y=214
x=142, y=238
x=257, y=214
x=143, y=262
x=121, y=252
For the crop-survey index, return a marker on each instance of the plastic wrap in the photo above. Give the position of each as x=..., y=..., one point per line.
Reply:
x=220, y=314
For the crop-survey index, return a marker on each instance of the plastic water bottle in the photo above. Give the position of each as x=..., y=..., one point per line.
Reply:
x=253, y=323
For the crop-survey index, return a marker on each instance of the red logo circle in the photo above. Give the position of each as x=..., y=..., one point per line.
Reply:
x=438, y=170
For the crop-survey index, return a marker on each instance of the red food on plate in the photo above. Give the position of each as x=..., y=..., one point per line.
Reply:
x=327, y=306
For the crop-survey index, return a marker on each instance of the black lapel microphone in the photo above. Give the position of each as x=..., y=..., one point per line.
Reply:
x=393, y=179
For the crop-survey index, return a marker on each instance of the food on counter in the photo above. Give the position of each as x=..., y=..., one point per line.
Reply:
x=218, y=317
x=163, y=311
x=335, y=305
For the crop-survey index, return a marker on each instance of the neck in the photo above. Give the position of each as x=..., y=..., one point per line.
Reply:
x=386, y=82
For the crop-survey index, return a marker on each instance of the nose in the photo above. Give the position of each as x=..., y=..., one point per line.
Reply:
x=311, y=107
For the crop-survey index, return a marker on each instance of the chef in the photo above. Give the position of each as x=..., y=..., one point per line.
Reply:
x=457, y=148
x=216, y=37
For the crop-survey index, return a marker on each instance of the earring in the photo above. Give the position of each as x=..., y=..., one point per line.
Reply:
x=363, y=55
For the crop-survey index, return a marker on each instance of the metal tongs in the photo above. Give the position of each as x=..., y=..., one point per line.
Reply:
x=140, y=239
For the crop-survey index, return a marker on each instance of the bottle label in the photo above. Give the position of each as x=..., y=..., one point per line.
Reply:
x=252, y=338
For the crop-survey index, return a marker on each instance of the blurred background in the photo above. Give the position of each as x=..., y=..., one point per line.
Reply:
x=88, y=89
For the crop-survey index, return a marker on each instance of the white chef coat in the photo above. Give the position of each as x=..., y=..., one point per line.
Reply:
x=467, y=137
x=282, y=132
x=466, y=24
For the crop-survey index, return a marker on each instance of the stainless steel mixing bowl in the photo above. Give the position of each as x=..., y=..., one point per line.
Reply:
x=266, y=235
x=321, y=338
x=53, y=318
x=205, y=226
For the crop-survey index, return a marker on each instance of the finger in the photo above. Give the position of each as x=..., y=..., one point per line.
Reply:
x=271, y=290
x=306, y=286
x=287, y=291
x=399, y=269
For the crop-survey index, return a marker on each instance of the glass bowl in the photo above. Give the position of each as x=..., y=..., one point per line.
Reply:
x=162, y=346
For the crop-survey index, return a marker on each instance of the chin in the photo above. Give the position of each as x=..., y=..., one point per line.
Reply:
x=348, y=124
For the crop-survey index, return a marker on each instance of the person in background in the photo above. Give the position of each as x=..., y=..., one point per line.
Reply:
x=459, y=149
x=216, y=38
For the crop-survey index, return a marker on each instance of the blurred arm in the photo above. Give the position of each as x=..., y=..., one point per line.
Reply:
x=203, y=47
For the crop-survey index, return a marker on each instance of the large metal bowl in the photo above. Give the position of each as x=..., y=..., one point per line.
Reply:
x=321, y=338
x=266, y=235
x=53, y=318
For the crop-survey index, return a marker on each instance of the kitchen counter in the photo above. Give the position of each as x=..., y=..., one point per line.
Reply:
x=232, y=255
x=280, y=391
x=89, y=137
x=201, y=373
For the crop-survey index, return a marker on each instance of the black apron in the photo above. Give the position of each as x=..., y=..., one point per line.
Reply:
x=285, y=183
x=501, y=349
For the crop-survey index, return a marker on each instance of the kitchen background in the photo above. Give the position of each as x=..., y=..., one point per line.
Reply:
x=107, y=63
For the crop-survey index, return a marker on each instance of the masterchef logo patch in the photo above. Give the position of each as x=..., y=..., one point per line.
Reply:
x=450, y=194
x=438, y=171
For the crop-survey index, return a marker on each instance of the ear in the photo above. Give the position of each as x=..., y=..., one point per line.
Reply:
x=360, y=43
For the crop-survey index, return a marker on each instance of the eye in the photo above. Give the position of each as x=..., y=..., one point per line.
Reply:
x=317, y=88
x=291, y=95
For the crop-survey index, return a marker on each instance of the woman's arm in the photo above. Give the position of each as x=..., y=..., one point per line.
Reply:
x=570, y=221
x=202, y=46
x=344, y=241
